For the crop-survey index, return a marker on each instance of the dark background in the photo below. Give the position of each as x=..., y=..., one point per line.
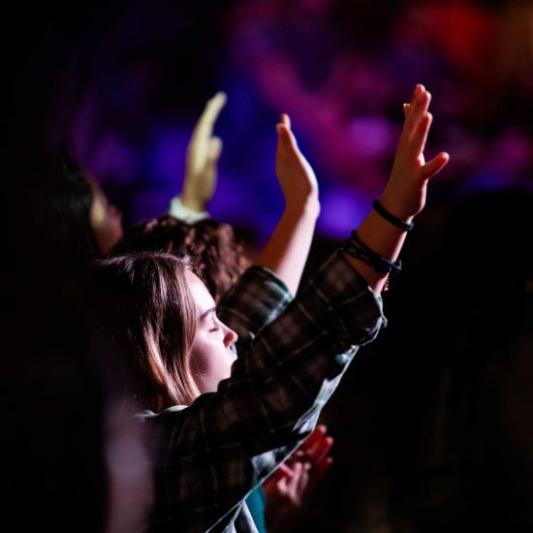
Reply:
x=434, y=422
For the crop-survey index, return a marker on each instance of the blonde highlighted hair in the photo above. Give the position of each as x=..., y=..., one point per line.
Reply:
x=144, y=308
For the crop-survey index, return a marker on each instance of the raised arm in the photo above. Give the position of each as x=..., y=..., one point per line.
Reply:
x=287, y=250
x=203, y=152
x=405, y=193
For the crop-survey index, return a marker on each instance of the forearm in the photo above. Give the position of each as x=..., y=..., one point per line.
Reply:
x=287, y=250
x=191, y=199
x=295, y=360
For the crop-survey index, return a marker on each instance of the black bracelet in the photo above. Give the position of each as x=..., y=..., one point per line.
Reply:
x=389, y=217
x=356, y=248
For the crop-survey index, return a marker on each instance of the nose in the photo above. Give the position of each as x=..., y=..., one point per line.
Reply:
x=230, y=337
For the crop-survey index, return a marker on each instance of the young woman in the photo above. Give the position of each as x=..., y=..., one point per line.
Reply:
x=221, y=424
x=218, y=259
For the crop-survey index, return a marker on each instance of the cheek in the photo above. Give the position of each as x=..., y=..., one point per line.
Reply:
x=210, y=363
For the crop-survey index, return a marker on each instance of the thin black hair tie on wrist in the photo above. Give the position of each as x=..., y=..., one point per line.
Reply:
x=356, y=248
x=389, y=217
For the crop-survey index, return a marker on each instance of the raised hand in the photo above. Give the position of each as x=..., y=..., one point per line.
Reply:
x=315, y=450
x=405, y=193
x=291, y=486
x=288, y=247
x=296, y=177
x=203, y=153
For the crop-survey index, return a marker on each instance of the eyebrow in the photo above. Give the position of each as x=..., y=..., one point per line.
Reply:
x=205, y=313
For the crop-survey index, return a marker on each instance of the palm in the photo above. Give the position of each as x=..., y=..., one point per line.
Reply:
x=203, y=152
x=405, y=193
x=296, y=177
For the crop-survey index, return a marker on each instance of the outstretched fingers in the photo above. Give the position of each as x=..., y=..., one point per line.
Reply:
x=302, y=480
x=212, y=109
x=419, y=136
x=286, y=137
x=412, y=111
x=318, y=453
x=415, y=110
x=417, y=125
x=285, y=470
x=316, y=447
x=315, y=436
x=204, y=126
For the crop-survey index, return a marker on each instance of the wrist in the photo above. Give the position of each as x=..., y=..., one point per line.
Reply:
x=378, y=207
x=309, y=207
x=395, y=208
x=191, y=201
x=181, y=211
x=356, y=248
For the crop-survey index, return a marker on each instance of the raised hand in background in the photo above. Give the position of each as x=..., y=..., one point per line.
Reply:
x=289, y=489
x=203, y=152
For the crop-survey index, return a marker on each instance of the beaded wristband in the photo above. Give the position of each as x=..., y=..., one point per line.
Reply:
x=359, y=250
x=389, y=217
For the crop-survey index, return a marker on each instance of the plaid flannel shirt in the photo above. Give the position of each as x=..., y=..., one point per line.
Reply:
x=215, y=451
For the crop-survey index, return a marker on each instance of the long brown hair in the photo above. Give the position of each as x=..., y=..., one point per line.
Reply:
x=144, y=307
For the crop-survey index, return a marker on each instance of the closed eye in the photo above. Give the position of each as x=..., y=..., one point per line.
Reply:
x=212, y=330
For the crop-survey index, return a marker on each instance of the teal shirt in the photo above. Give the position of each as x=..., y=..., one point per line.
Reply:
x=256, y=505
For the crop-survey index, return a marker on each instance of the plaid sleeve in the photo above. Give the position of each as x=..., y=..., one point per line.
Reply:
x=294, y=360
x=258, y=298
x=212, y=449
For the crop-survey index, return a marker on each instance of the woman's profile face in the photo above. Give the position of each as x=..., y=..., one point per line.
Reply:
x=211, y=354
x=106, y=220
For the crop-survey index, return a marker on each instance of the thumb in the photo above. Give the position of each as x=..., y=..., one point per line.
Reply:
x=435, y=165
x=214, y=149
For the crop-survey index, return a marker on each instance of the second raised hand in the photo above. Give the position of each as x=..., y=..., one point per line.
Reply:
x=287, y=249
x=203, y=153
x=296, y=177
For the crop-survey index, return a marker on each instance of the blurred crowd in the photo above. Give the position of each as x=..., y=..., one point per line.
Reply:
x=337, y=67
